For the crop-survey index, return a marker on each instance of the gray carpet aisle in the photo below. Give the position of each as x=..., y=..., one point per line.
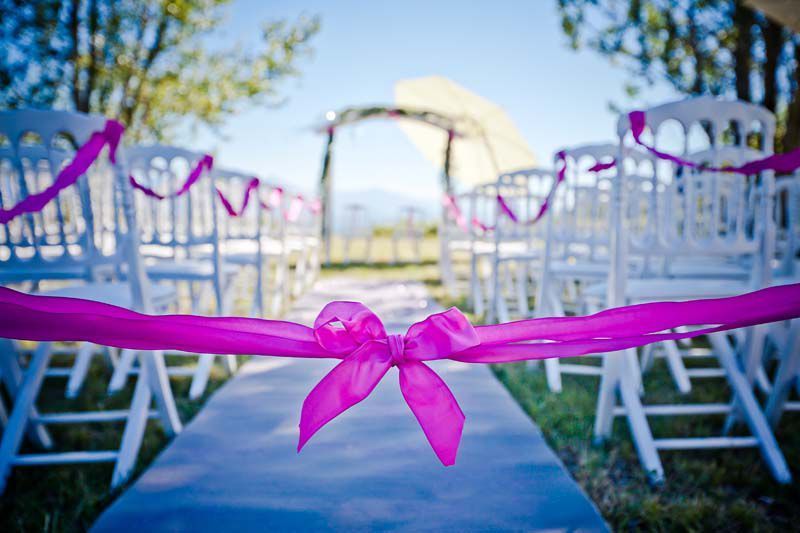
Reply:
x=234, y=468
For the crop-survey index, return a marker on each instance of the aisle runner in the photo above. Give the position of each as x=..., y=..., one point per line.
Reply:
x=235, y=467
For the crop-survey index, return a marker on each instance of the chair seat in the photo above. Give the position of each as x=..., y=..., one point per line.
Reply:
x=185, y=269
x=708, y=269
x=653, y=289
x=245, y=251
x=579, y=269
x=114, y=293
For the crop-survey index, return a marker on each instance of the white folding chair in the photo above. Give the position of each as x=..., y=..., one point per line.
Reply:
x=93, y=222
x=697, y=214
x=256, y=239
x=180, y=243
x=576, y=252
x=517, y=246
x=408, y=229
x=357, y=227
x=457, y=238
x=302, y=235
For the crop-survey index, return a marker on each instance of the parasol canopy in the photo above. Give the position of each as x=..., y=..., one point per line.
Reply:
x=487, y=141
x=784, y=12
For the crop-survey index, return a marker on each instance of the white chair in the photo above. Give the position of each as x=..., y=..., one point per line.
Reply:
x=457, y=237
x=256, y=239
x=697, y=214
x=357, y=227
x=180, y=243
x=517, y=246
x=302, y=233
x=97, y=226
x=408, y=229
x=577, y=227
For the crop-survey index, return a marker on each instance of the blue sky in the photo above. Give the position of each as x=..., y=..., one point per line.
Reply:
x=511, y=52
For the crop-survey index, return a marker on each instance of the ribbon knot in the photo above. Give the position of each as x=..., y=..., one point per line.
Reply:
x=353, y=333
x=396, y=349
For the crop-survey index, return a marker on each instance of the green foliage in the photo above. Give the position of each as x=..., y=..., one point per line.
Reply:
x=718, y=47
x=146, y=63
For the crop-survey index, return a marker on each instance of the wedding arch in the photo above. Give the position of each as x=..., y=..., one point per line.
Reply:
x=353, y=115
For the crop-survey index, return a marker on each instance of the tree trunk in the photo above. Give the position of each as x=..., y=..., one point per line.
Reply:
x=773, y=43
x=743, y=20
x=791, y=138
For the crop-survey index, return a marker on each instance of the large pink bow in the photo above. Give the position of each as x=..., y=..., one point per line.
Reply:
x=352, y=331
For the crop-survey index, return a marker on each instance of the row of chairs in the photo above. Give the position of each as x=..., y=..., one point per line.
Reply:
x=648, y=229
x=102, y=240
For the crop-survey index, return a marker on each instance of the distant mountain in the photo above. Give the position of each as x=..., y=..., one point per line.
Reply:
x=382, y=207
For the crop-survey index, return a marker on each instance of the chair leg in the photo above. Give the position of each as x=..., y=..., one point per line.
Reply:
x=121, y=371
x=640, y=429
x=23, y=406
x=80, y=369
x=12, y=376
x=552, y=370
x=606, y=396
x=676, y=367
x=475, y=287
x=522, y=290
x=750, y=409
x=201, y=375
x=133, y=434
x=157, y=379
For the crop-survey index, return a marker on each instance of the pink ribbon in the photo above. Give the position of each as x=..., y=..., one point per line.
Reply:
x=561, y=156
x=205, y=163
x=352, y=333
x=295, y=208
x=275, y=198
x=780, y=163
x=83, y=159
x=454, y=212
x=252, y=188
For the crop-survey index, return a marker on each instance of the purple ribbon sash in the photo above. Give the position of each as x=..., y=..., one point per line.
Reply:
x=205, y=164
x=454, y=211
x=252, y=188
x=85, y=155
x=780, y=163
x=350, y=332
x=561, y=157
x=295, y=208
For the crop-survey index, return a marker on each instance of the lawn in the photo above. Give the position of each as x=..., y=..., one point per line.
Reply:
x=727, y=491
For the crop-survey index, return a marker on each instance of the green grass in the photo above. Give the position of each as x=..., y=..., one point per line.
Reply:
x=722, y=491
x=70, y=497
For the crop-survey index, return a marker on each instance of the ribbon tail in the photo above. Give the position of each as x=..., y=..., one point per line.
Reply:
x=435, y=407
x=347, y=384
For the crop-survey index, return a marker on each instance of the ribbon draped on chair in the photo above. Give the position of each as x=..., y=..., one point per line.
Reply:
x=85, y=156
x=205, y=164
x=781, y=163
x=352, y=333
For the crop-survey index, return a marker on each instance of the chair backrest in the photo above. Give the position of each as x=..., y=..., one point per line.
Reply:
x=357, y=223
x=178, y=224
x=89, y=225
x=678, y=211
x=76, y=232
x=579, y=225
x=254, y=221
x=523, y=190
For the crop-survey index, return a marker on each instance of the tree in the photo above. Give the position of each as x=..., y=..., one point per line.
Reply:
x=718, y=47
x=144, y=62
